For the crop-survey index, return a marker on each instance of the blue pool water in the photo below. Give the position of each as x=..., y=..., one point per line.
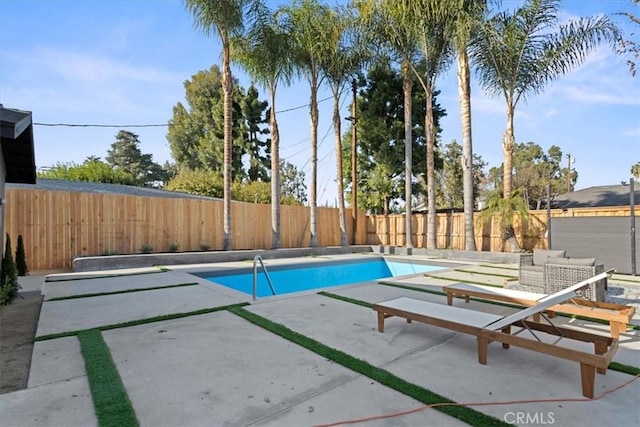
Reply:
x=318, y=276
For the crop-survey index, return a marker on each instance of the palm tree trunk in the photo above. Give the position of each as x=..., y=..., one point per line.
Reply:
x=508, y=143
x=430, y=133
x=407, y=85
x=313, y=112
x=339, y=176
x=464, y=92
x=275, y=173
x=227, y=84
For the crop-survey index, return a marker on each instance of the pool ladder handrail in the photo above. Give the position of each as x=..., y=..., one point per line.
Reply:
x=255, y=276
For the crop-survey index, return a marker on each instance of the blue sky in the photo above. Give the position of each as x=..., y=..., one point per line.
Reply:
x=124, y=62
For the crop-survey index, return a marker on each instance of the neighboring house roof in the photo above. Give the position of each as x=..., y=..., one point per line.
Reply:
x=16, y=138
x=98, y=187
x=601, y=196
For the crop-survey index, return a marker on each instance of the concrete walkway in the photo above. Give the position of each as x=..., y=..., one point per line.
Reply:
x=218, y=369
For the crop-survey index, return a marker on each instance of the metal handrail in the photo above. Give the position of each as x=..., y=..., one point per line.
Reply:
x=255, y=276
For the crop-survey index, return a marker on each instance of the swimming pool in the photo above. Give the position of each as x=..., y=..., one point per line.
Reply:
x=288, y=279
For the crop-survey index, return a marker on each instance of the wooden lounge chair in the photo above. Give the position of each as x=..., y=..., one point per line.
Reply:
x=489, y=327
x=618, y=316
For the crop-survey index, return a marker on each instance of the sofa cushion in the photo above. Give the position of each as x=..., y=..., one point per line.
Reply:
x=541, y=256
x=574, y=261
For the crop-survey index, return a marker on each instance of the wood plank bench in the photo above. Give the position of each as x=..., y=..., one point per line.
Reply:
x=618, y=316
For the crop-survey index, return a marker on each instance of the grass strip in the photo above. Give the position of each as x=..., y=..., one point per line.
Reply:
x=499, y=267
x=463, y=413
x=346, y=299
x=125, y=291
x=625, y=369
x=141, y=321
x=104, y=276
x=411, y=288
x=508, y=276
x=110, y=400
x=473, y=282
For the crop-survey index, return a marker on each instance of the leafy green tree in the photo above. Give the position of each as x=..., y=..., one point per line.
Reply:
x=251, y=191
x=449, y=179
x=516, y=54
x=8, y=275
x=196, y=134
x=253, y=111
x=293, y=189
x=381, y=144
x=305, y=22
x=534, y=170
x=225, y=19
x=91, y=170
x=265, y=53
x=21, y=258
x=199, y=181
x=125, y=155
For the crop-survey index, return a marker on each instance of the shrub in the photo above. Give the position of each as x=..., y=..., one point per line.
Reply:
x=21, y=258
x=8, y=276
x=205, y=248
x=146, y=249
x=174, y=247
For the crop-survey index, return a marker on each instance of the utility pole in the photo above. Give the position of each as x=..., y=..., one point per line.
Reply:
x=569, y=161
x=354, y=152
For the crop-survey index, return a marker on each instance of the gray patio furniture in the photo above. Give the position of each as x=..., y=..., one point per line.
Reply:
x=532, y=266
x=551, y=271
x=569, y=271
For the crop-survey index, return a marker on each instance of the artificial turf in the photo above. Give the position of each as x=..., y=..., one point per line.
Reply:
x=110, y=400
x=140, y=321
x=124, y=291
x=463, y=413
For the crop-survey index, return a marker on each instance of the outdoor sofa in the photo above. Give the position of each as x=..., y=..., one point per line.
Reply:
x=488, y=327
x=551, y=271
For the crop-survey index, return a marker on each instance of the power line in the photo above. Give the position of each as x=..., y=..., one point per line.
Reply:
x=76, y=125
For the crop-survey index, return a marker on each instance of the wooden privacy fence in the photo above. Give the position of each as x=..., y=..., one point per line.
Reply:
x=390, y=230
x=58, y=226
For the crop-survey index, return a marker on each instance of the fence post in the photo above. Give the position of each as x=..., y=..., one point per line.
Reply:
x=633, y=226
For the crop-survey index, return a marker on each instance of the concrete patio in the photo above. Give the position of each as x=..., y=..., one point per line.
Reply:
x=216, y=368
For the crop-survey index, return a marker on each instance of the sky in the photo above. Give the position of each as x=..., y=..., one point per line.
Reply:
x=123, y=62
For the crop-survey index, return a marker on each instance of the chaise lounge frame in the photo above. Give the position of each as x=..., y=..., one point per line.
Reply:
x=618, y=316
x=489, y=327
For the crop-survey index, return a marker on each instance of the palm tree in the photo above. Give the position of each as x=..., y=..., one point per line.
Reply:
x=391, y=24
x=265, y=53
x=635, y=170
x=309, y=36
x=506, y=210
x=224, y=18
x=463, y=16
x=345, y=56
x=516, y=54
x=436, y=50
